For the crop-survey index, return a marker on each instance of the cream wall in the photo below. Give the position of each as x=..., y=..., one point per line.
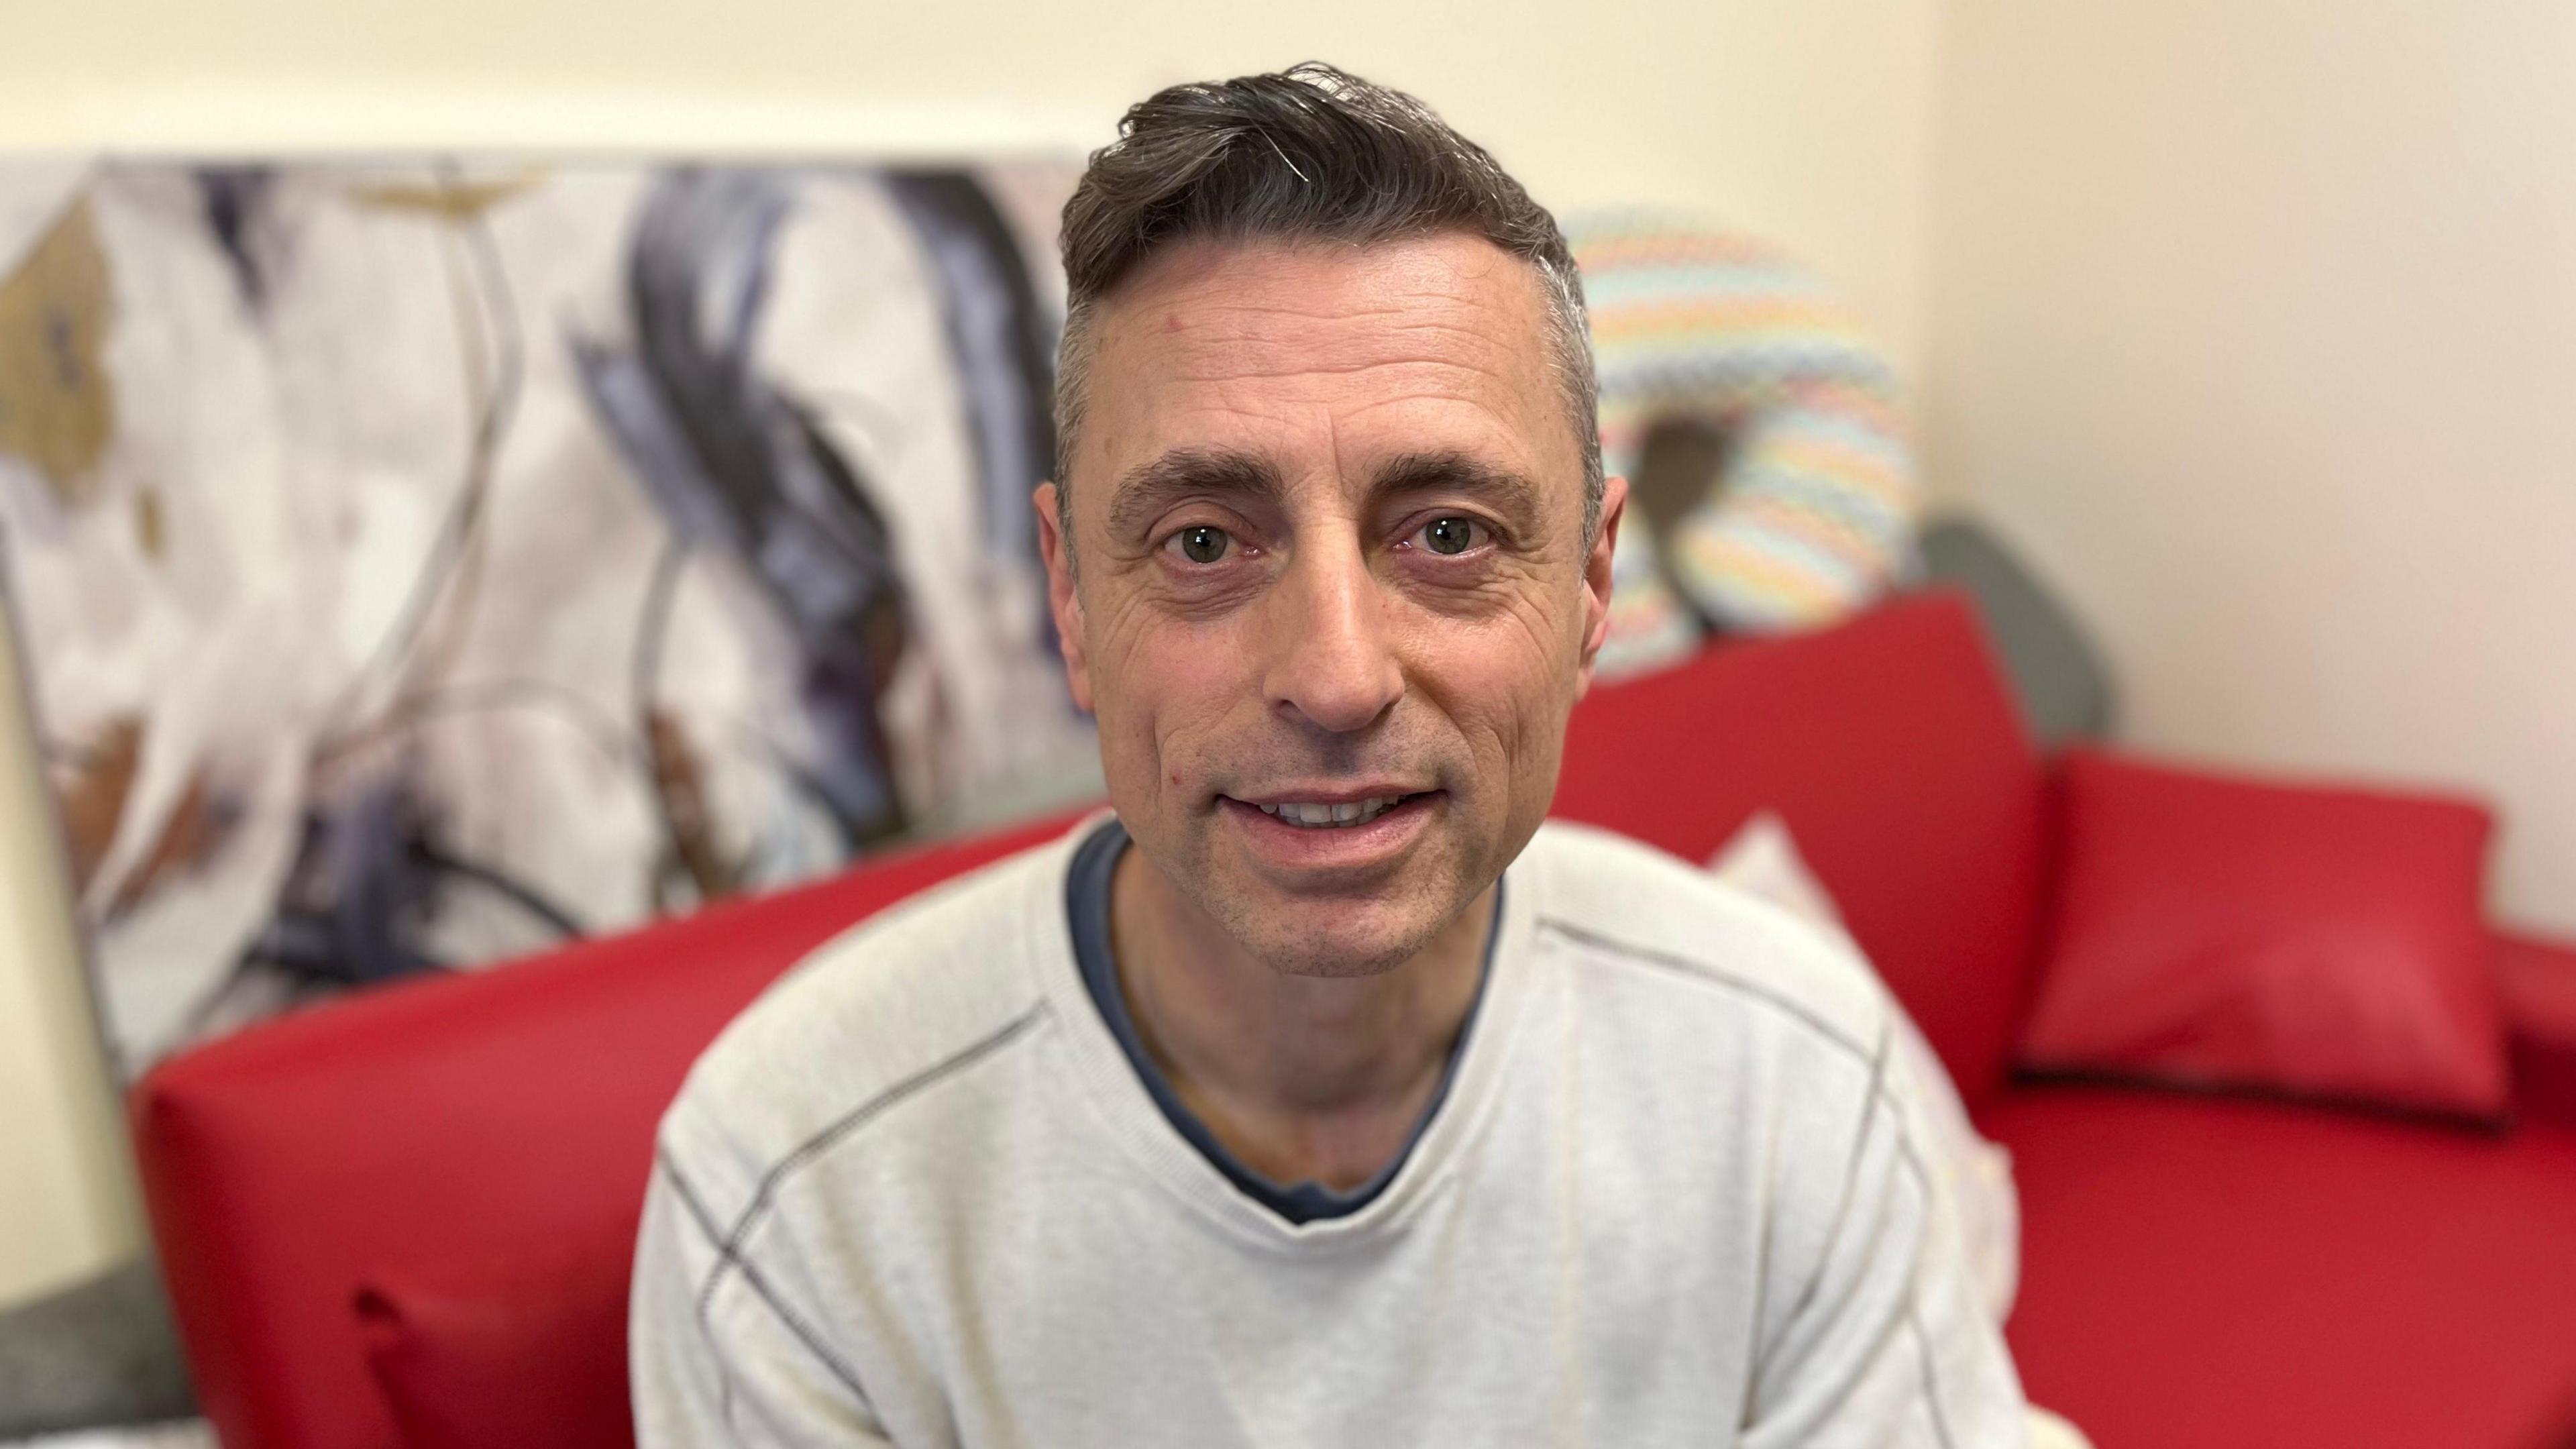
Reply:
x=1804, y=119
x=1807, y=120
x=2256, y=323
x=66, y=1193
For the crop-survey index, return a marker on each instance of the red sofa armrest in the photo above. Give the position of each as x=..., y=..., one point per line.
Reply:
x=451, y=1120
x=2537, y=981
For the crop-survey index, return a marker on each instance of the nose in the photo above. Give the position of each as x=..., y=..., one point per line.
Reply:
x=1332, y=663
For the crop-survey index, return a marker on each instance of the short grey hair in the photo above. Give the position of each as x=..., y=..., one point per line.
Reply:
x=1307, y=154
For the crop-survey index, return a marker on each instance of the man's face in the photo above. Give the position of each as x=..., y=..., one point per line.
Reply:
x=1328, y=562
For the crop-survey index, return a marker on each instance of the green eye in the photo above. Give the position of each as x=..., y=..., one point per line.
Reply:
x=1202, y=545
x=1449, y=535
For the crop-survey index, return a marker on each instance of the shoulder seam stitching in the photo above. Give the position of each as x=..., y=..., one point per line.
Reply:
x=1910, y=1160
x=1714, y=975
x=1869, y=1113
x=1931, y=1376
x=729, y=1247
x=1913, y=1160
x=760, y=1287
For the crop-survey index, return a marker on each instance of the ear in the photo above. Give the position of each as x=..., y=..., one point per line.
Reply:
x=1596, y=580
x=1062, y=601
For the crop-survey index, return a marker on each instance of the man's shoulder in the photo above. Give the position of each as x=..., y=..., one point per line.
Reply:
x=1620, y=905
x=882, y=1010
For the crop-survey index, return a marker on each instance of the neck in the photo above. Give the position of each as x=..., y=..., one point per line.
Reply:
x=1300, y=1077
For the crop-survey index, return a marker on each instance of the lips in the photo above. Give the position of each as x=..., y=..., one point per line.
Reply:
x=1315, y=833
x=1330, y=814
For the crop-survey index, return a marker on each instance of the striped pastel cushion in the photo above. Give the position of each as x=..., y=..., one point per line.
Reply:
x=1814, y=513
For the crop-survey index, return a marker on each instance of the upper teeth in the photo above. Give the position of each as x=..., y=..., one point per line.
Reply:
x=1300, y=812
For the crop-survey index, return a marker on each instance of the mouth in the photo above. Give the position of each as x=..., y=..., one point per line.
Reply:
x=1366, y=828
x=1331, y=814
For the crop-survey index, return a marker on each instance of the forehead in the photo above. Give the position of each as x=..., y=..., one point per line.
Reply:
x=1321, y=354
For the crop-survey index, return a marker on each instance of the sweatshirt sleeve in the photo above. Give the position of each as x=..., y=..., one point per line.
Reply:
x=715, y=1357
x=1888, y=1344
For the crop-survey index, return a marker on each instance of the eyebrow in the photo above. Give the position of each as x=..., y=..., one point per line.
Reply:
x=1506, y=491
x=1150, y=489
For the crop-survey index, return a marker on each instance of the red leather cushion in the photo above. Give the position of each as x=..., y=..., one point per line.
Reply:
x=526, y=1349
x=2201, y=1272
x=2223, y=933
x=2537, y=982
x=1891, y=749
x=441, y=1119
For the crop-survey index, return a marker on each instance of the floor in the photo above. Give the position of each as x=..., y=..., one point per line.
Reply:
x=190, y=1435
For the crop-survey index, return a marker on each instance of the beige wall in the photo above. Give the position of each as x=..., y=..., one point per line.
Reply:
x=66, y=1195
x=2257, y=324
x=1807, y=120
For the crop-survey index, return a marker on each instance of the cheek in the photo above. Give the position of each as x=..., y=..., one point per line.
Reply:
x=1166, y=688
x=1507, y=684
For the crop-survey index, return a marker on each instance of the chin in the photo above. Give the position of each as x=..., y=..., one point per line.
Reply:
x=1334, y=939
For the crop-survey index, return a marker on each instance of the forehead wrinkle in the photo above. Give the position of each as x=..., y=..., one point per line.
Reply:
x=1213, y=323
x=1464, y=331
x=1305, y=368
x=1233, y=341
x=1213, y=309
x=1393, y=334
x=1210, y=324
x=1246, y=300
x=1204, y=263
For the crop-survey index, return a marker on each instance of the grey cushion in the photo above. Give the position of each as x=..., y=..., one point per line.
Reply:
x=2065, y=690
x=100, y=1353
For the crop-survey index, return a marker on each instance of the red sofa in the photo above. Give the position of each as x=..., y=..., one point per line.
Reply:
x=2197, y=1271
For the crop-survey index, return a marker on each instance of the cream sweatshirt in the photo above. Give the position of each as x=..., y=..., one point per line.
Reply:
x=1674, y=1194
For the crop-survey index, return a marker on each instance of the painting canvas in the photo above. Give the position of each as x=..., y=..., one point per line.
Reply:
x=416, y=564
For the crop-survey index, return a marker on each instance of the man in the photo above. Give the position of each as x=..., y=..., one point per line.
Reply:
x=1321, y=1095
